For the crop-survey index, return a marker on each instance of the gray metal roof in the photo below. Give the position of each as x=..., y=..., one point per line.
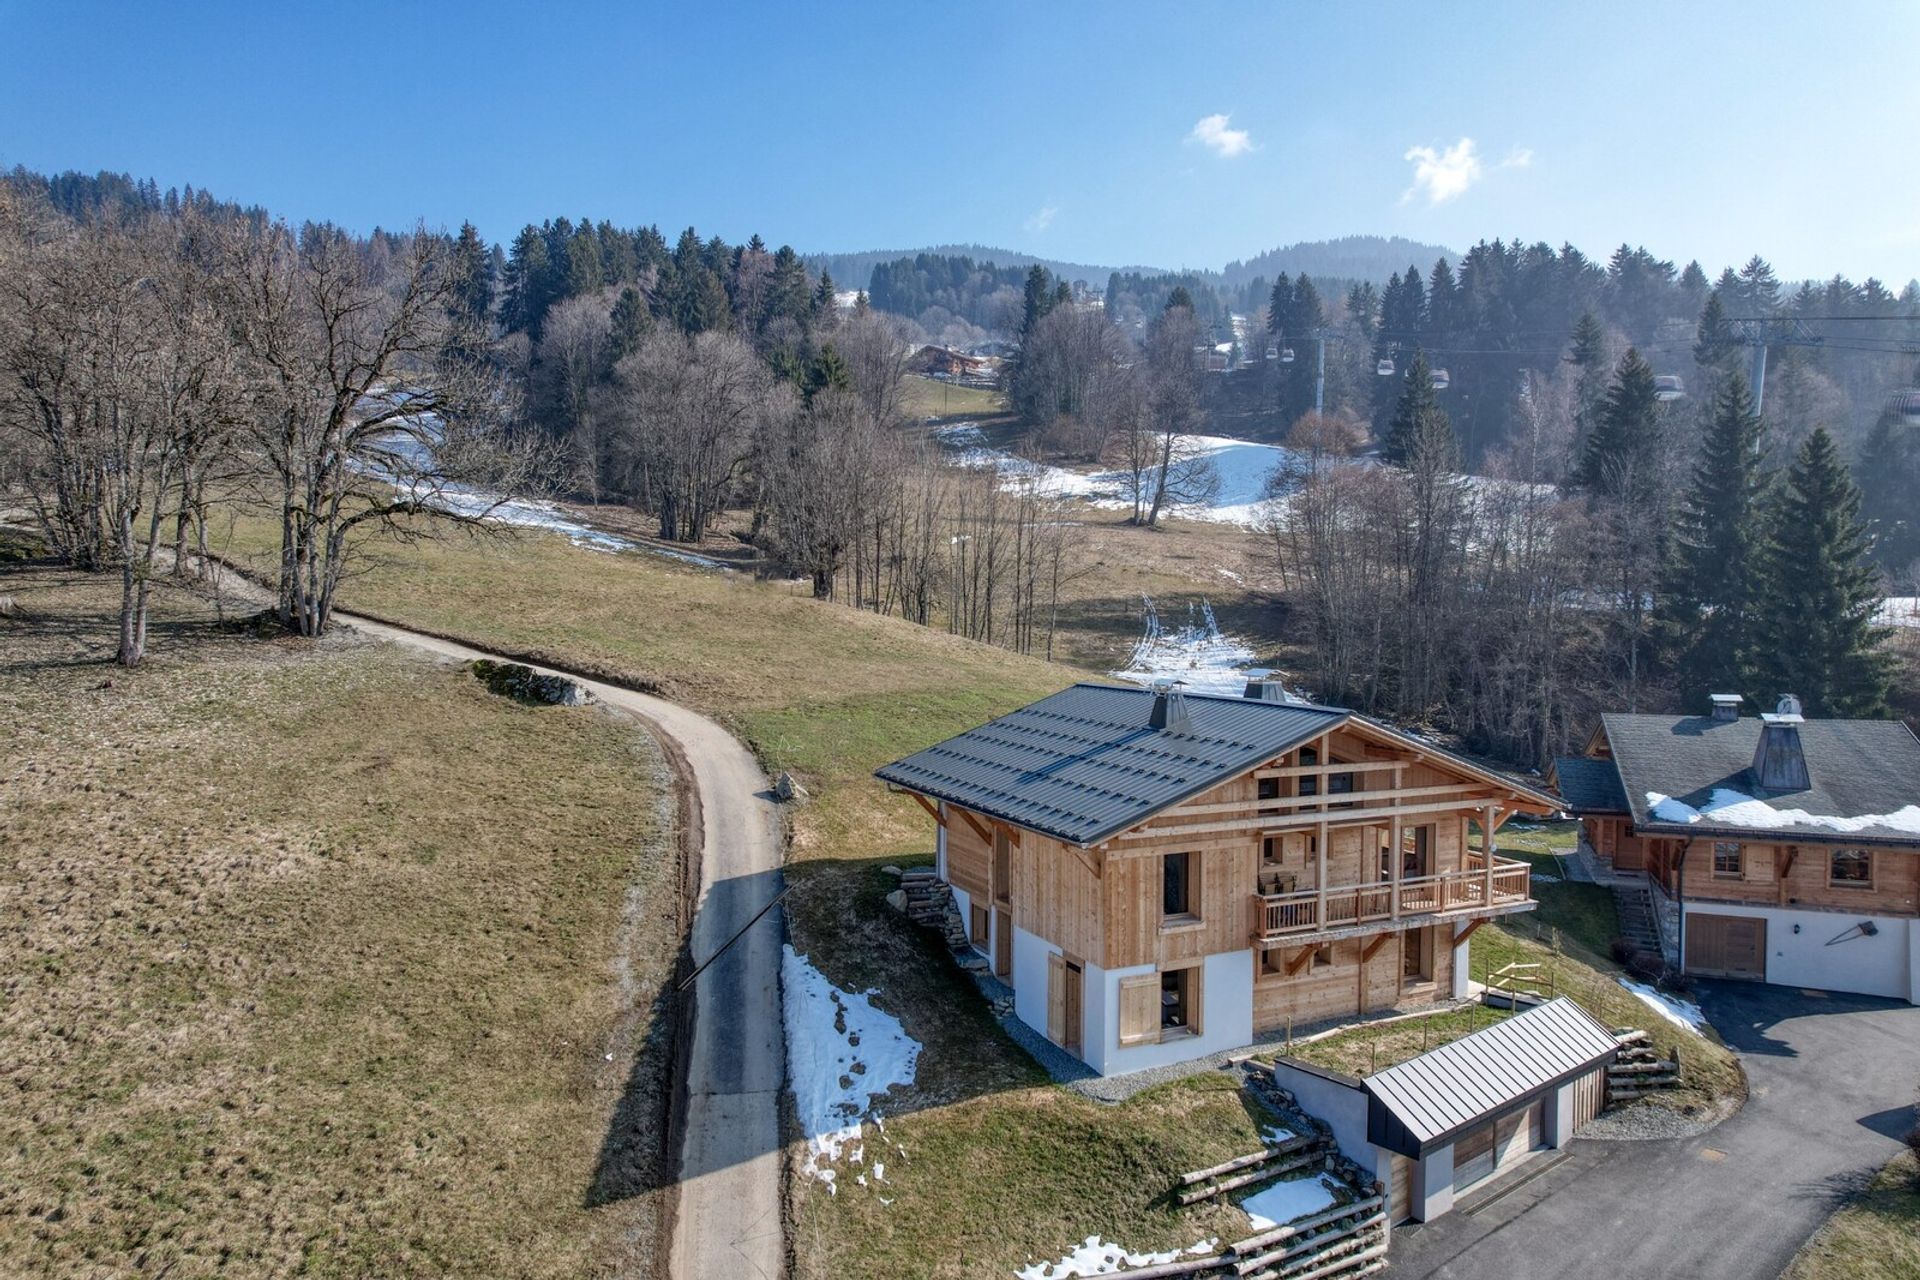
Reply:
x=1856, y=767
x=1425, y=1100
x=1083, y=765
x=1589, y=786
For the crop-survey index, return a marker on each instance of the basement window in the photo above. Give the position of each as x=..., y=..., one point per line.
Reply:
x=1726, y=859
x=1179, y=1002
x=1851, y=869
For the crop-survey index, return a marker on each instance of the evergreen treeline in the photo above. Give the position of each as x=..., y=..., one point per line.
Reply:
x=936, y=289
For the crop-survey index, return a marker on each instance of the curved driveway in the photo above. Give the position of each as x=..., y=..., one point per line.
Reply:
x=728, y=1221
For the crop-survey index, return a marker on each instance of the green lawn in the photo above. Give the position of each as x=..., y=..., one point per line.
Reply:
x=321, y=959
x=1875, y=1237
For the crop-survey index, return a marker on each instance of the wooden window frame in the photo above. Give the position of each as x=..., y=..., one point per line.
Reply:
x=1739, y=871
x=1190, y=916
x=1325, y=950
x=1192, y=975
x=1834, y=855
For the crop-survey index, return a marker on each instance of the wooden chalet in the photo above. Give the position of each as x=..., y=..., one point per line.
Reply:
x=1160, y=876
x=1778, y=848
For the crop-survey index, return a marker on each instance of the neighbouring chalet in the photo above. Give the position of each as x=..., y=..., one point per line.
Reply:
x=1160, y=876
x=1778, y=848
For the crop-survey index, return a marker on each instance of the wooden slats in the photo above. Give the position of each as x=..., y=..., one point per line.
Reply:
x=1308, y=911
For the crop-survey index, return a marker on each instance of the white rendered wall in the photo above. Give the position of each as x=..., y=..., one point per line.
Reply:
x=1030, y=952
x=1226, y=1016
x=1883, y=965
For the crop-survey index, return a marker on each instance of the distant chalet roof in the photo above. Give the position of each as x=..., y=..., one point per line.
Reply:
x=1419, y=1103
x=1589, y=786
x=1857, y=768
x=1084, y=765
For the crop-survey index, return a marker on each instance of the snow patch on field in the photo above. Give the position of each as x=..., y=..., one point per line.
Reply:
x=1729, y=808
x=842, y=1053
x=1681, y=1013
x=1283, y=1202
x=1198, y=652
x=1242, y=466
x=1097, y=1257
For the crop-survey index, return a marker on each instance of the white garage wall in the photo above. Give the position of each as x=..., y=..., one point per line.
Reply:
x=1818, y=957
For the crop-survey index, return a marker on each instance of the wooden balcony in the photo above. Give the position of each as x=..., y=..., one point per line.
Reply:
x=1348, y=910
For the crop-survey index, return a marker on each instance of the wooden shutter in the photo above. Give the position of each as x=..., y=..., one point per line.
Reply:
x=1056, y=998
x=1140, y=1009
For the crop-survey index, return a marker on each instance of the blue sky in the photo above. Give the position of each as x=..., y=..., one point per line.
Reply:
x=1083, y=131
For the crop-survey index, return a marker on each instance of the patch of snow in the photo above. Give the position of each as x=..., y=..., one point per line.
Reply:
x=1898, y=611
x=1242, y=466
x=1230, y=576
x=1283, y=1202
x=1729, y=808
x=1275, y=1134
x=842, y=1053
x=1097, y=1257
x=1199, y=653
x=1540, y=877
x=1681, y=1013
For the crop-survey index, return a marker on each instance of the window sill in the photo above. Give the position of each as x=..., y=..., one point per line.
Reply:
x=1181, y=924
x=1169, y=1034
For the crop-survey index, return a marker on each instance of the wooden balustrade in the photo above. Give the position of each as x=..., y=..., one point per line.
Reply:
x=1285, y=915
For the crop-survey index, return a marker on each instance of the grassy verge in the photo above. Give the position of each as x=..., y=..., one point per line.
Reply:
x=1875, y=1237
x=320, y=959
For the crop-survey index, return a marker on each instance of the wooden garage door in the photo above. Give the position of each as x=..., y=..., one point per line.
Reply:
x=1472, y=1156
x=1726, y=946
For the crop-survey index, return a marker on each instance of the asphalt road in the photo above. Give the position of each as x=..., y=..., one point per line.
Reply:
x=1834, y=1080
x=728, y=1221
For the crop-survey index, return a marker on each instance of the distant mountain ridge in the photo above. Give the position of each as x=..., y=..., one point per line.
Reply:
x=854, y=270
x=1357, y=257
x=1345, y=258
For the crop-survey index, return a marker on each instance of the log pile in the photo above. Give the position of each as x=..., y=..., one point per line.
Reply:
x=1637, y=1069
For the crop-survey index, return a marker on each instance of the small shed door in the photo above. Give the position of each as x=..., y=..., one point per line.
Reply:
x=1003, y=945
x=1727, y=946
x=1401, y=1189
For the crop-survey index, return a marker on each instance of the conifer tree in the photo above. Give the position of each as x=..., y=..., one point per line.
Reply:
x=1421, y=433
x=1889, y=474
x=1711, y=346
x=1814, y=630
x=1622, y=454
x=630, y=322
x=1588, y=355
x=473, y=269
x=826, y=372
x=1709, y=605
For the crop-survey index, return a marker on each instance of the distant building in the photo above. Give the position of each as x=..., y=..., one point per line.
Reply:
x=1777, y=848
x=945, y=362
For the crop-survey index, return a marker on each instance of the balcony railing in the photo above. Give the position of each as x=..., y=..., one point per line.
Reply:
x=1462, y=892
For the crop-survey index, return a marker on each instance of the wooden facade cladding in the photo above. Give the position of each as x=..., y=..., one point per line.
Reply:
x=1789, y=875
x=1388, y=850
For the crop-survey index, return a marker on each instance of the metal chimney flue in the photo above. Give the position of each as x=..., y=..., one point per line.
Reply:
x=1779, y=761
x=1726, y=706
x=1169, y=714
x=1266, y=689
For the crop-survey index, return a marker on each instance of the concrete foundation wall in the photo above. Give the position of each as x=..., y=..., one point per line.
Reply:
x=1226, y=1016
x=1030, y=952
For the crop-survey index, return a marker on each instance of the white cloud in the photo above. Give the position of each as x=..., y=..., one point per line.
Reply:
x=1042, y=218
x=1443, y=175
x=1212, y=133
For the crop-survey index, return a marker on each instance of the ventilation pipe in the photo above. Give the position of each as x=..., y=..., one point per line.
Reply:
x=1726, y=706
x=1779, y=762
x=1169, y=708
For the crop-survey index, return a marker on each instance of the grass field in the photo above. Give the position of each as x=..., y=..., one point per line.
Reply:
x=320, y=959
x=932, y=398
x=1875, y=1237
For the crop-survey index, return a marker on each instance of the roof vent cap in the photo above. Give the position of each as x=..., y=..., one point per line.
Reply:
x=1265, y=688
x=1726, y=706
x=1169, y=712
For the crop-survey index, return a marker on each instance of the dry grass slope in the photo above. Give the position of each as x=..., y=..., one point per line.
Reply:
x=310, y=959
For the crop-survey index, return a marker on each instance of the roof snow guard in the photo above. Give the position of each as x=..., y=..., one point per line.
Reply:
x=1420, y=1103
